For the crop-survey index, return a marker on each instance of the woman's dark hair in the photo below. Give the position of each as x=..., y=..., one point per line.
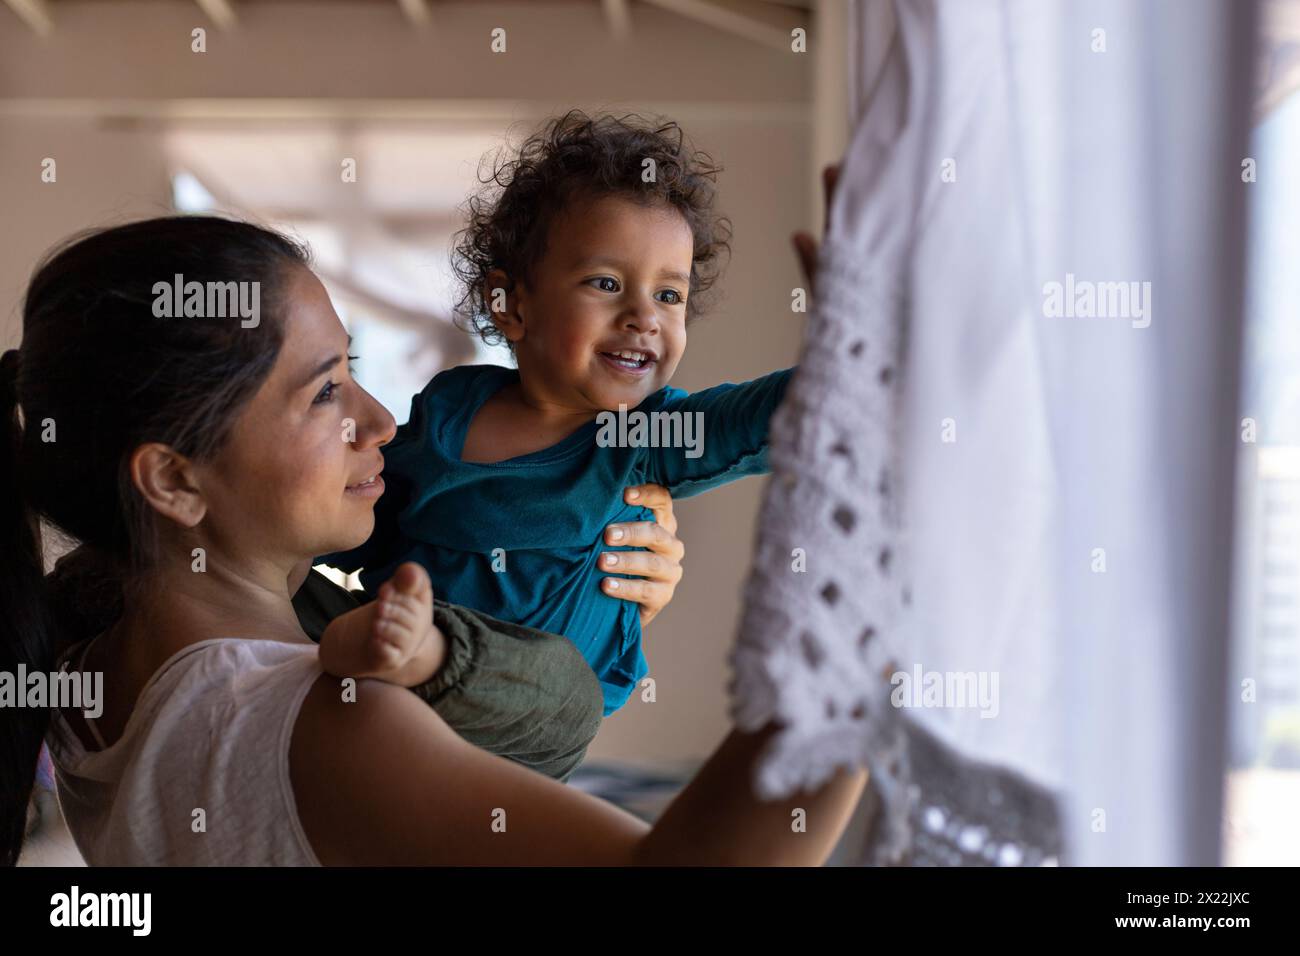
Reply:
x=573, y=158
x=97, y=375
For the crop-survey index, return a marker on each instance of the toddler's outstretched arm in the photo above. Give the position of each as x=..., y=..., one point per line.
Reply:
x=726, y=431
x=393, y=638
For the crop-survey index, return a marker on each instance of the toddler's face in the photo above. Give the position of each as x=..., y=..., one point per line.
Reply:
x=603, y=321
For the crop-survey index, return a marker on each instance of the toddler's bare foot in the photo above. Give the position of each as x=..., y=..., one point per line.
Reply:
x=392, y=638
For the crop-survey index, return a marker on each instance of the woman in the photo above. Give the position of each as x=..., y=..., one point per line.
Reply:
x=199, y=462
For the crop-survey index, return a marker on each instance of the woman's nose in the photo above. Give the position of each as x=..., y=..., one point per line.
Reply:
x=376, y=424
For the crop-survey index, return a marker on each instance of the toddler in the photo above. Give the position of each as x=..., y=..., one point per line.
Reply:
x=587, y=256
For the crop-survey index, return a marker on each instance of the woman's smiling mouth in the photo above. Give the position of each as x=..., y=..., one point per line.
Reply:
x=372, y=487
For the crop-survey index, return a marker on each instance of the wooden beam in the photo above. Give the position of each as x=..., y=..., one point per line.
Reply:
x=219, y=12
x=417, y=11
x=34, y=13
x=763, y=23
x=618, y=17
x=371, y=110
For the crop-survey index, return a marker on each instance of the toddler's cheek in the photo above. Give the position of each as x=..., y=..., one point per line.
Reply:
x=575, y=341
x=668, y=368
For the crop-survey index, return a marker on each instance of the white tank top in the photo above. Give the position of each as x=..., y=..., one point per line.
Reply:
x=210, y=732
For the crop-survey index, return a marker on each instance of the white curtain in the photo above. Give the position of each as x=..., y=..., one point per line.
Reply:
x=1059, y=468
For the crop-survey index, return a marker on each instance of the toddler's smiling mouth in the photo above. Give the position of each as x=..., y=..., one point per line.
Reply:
x=629, y=361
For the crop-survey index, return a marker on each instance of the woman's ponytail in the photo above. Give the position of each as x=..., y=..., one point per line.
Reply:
x=26, y=637
x=101, y=373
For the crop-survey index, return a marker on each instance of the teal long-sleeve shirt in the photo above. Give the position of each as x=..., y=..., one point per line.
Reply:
x=519, y=539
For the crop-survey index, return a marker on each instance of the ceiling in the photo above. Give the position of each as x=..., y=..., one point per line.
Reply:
x=767, y=22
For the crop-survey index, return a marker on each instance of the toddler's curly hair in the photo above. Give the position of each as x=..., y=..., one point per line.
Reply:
x=573, y=157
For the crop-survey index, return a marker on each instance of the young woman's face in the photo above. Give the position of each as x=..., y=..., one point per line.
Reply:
x=292, y=481
x=614, y=278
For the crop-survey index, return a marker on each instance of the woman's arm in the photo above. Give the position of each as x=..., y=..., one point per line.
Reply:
x=384, y=780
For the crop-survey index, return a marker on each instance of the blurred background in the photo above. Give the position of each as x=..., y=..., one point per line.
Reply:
x=258, y=125
x=1264, y=738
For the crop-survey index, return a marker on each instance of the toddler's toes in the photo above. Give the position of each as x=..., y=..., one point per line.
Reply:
x=401, y=618
x=381, y=654
x=412, y=580
x=403, y=612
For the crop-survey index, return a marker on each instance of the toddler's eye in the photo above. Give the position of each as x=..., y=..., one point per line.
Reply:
x=674, y=297
x=604, y=283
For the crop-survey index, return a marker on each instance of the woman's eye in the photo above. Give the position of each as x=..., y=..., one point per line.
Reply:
x=674, y=297
x=605, y=284
x=326, y=394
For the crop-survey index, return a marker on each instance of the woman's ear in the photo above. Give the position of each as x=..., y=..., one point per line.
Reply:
x=166, y=479
x=502, y=295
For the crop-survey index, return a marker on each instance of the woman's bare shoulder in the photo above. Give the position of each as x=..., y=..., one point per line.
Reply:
x=382, y=780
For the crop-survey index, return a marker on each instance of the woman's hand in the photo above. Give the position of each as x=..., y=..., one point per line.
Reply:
x=660, y=567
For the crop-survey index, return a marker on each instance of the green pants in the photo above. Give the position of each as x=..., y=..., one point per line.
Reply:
x=511, y=690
